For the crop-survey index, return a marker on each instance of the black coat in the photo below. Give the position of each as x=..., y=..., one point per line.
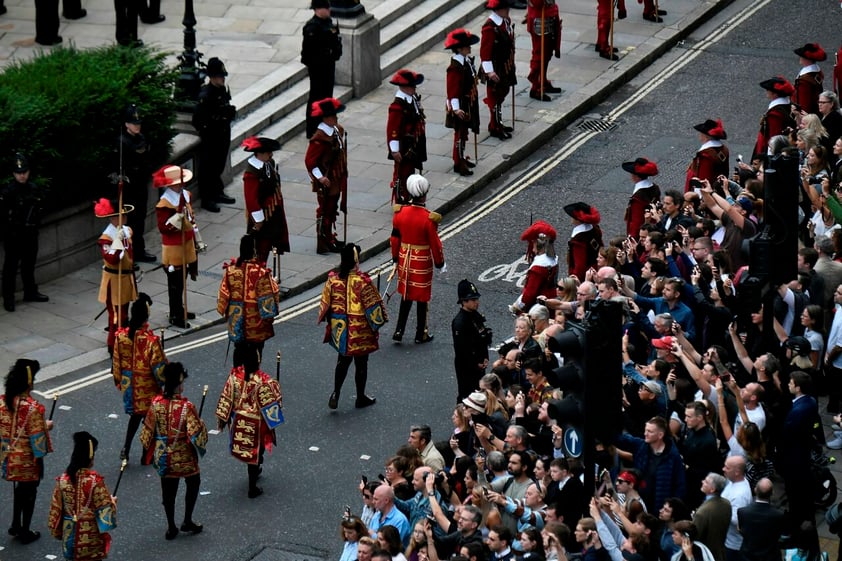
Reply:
x=761, y=525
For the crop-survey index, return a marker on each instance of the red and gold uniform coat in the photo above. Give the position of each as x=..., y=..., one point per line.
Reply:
x=174, y=435
x=328, y=153
x=249, y=406
x=23, y=439
x=354, y=313
x=406, y=125
x=541, y=280
x=773, y=122
x=248, y=298
x=117, y=268
x=808, y=87
x=416, y=247
x=177, y=246
x=138, y=368
x=711, y=161
x=81, y=515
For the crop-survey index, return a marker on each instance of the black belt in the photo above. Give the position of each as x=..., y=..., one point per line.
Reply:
x=128, y=271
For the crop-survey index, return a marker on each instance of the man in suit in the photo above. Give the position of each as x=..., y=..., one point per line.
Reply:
x=830, y=271
x=761, y=525
x=500, y=543
x=797, y=439
x=714, y=516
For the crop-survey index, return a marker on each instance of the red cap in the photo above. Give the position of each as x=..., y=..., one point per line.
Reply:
x=583, y=212
x=405, y=77
x=779, y=85
x=531, y=234
x=663, y=343
x=328, y=107
x=641, y=167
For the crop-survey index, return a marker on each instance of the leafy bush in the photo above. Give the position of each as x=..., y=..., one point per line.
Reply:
x=65, y=109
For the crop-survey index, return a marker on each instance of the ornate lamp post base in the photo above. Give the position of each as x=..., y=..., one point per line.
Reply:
x=346, y=8
x=192, y=74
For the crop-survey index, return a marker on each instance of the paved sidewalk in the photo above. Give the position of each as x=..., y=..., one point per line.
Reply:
x=62, y=333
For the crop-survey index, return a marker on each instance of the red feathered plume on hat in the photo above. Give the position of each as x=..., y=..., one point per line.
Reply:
x=718, y=131
x=538, y=228
x=159, y=178
x=783, y=86
x=251, y=143
x=649, y=168
x=103, y=207
x=591, y=216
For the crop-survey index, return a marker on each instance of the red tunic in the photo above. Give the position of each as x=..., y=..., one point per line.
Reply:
x=245, y=405
x=265, y=203
x=138, y=369
x=416, y=247
x=177, y=246
x=81, y=515
x=497, y=53
x=773, y=122
x=636, y=209
x=24, y=439
x=549, y=29
x=808, y=87
x=541, y=280
x=354, y=313
x=328, y=153
x=248, y=298
x=708, y=163
x=603, y=24
x=462, y=85
x=582, y=250
x=406, y=125
x=175, y=436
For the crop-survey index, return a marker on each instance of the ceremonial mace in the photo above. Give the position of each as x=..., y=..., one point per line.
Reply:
x=543, y=56
x=53, y=408
x=278, y=367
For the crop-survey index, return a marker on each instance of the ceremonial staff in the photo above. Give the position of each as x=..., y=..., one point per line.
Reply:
x=162, y=338
x=53, y=408
x=345, y=194
x=543, y=23
x=119, y=305
x=202, y=404
x=182, y=201
x=278, y=367
x=123, y=465
x=275, y=272
x=611, y=33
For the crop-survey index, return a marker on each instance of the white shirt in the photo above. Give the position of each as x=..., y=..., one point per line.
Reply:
x=835, y=337
x=738, y=494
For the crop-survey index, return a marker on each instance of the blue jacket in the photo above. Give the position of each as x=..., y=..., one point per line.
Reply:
x=669, y=477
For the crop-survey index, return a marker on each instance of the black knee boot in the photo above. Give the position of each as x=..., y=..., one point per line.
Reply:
x=421, y=333
x=403, y=315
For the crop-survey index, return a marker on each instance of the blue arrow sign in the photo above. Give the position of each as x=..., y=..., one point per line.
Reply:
x=572, y=442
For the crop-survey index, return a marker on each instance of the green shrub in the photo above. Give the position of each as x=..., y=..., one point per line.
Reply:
x=65, y=109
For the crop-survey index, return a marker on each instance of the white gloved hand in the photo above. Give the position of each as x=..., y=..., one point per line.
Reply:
x=176, y=220
x=443, y=269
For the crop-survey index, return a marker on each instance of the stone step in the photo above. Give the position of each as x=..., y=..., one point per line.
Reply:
x=273, y=106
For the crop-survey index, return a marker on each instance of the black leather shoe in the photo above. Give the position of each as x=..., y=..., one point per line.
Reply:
x=28, y=536
x=210, y=206
x=662, y=12
x=13, y=531
x=609, y=56
x=3, y=10
x=508, y=129
x=499, y=133
x=333, y=402
x=552, y=89
x=49, y=43
x=621, y=14
x=154, y=19
x=535, y=94
x=364, y=401
x=192, y=527
x=426, y=338
x=224, y=199
x=469, y=163
x=652, y=17
x=398, y=336
x=145, y=257
x=171, y=533
x=37, y=297
x=79, y=15
x=179, y=322
x=255, y=492
x=9, y=305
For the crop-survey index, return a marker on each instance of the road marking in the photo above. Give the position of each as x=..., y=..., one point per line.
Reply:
x=486, y=208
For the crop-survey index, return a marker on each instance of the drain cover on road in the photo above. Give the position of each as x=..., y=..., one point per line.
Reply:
x=596, y=125
x=272, y=554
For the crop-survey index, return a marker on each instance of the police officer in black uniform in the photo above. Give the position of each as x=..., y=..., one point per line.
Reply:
x=136, y=154
x=21, y=203
x=471, y=338
x=320, y=50
x=212, y=119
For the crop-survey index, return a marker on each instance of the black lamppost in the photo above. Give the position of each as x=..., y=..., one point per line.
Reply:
x=192, y=74
x=346, y=8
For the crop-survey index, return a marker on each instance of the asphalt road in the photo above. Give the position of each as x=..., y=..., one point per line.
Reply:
x=314, y=471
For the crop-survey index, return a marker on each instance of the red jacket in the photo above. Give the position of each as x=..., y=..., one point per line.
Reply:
x=416, y=247
x=708, y=164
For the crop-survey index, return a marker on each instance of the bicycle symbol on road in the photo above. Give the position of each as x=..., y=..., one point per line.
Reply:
x=507, y=272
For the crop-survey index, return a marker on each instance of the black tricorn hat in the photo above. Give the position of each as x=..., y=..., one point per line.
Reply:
x=216, y=68
x=466, y=291
x=260, y=144
x=21, y=163
x=406, y=77
x=713, y=129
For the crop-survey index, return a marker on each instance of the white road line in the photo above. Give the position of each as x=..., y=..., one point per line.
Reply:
x=486, y=208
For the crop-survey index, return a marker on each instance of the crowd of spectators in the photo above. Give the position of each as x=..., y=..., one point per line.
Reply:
x=720, y=418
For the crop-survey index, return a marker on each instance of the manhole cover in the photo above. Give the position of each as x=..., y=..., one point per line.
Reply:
x=597, y=125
